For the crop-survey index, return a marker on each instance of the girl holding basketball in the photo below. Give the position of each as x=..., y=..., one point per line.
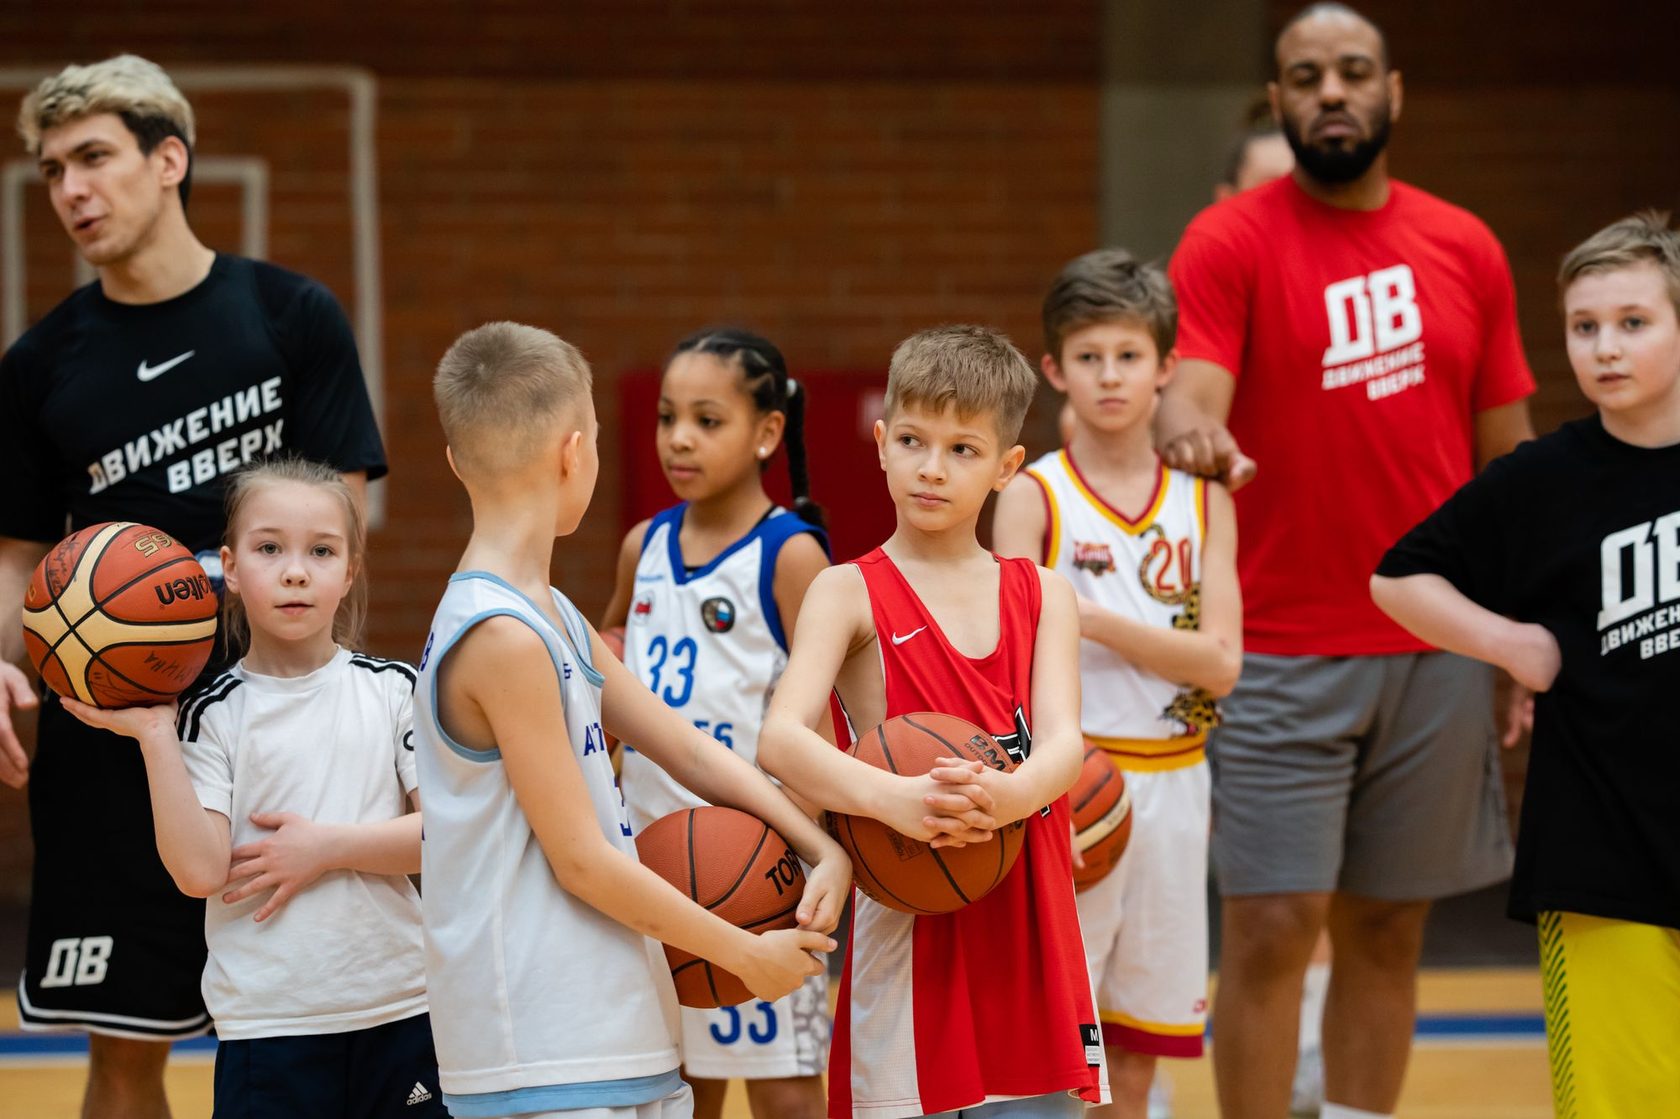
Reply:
x=284, y=792
x=708, y=591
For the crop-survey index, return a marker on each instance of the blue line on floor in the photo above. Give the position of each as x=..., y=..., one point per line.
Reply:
x=1435, y=1027
x=1480, y=1025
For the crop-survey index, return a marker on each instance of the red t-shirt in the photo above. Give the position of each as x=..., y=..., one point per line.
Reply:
x=1363, y=344
x=942, y=1013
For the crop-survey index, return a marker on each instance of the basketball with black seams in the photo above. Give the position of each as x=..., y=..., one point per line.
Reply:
x=119, y=615
x=734, y=865
x=907, y=874
x=1102, y=817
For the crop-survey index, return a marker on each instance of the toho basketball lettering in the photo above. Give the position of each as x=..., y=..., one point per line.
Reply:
x=78, y=962
x=1639, y=576
x=785, y=872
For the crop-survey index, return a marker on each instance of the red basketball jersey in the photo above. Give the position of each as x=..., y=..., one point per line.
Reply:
x=992, y=1001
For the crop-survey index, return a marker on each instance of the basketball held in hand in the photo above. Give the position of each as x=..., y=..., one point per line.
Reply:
x=904, y=873
x=733, y=864
x=119, y=615
x=1102, y=817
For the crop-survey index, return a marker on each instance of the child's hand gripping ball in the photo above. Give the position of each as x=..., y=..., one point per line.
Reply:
x=734, y=865
x=904, y=873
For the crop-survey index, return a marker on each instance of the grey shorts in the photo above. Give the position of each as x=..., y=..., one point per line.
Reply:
x=1377, y=776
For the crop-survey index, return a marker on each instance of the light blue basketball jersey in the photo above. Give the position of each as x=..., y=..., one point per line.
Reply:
x=539, y=1002
x=710, y=643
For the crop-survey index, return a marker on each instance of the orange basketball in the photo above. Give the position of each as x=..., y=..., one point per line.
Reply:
x=734, y=865
x=119, y=615
x=907, y=874
x=1102, y=817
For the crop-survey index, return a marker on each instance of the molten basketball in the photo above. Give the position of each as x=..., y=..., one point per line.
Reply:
x=907, y=874
x=1102, y=817
x=119, y=615
x=735, y=866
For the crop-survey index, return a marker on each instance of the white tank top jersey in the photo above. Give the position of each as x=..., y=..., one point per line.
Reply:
x=333, y=746
x=1150, y=570
x=709, y=642
x=539, y=1001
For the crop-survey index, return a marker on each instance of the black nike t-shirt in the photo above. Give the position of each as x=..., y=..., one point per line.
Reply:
x=1580, y=533
x=138, y=412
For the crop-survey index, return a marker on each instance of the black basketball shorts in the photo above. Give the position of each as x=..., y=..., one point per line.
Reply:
x=114, y=948
x=382, y=1072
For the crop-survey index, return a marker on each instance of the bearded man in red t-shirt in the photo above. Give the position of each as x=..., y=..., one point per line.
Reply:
x=1350, y=357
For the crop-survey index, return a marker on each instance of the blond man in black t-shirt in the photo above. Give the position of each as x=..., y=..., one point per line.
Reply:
x=133, y=400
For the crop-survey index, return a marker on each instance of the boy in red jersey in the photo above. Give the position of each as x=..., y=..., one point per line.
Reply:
x=988, y=1010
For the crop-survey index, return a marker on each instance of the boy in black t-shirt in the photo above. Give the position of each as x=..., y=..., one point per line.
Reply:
x=133, y=400
x=1561, y=564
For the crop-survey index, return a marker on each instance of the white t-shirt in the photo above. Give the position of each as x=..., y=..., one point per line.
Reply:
x=334, y=746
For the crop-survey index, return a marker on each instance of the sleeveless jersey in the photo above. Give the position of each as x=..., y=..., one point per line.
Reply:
x=539, y=1001
x=708, y=642
x=1149, y=570
x=992, y=1001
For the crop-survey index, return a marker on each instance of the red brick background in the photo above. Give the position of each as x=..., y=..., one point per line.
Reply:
x=833, y=175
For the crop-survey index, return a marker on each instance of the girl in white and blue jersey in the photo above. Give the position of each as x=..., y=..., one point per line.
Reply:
x=708, y=592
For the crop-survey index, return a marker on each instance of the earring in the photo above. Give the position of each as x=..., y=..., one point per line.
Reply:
x=764, y=452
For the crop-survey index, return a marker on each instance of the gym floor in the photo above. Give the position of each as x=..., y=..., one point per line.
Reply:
x=1480, y=1050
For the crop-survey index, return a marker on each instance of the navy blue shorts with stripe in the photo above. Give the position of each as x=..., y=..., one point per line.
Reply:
x=382, y=1072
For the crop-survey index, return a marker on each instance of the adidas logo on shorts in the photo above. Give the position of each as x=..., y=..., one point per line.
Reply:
x=419, y=1095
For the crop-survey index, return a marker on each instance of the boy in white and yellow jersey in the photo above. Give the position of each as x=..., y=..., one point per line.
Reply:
x=1152, y=554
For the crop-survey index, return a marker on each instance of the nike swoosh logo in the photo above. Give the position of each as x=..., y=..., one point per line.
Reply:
x=897, y=640
x=152, y=372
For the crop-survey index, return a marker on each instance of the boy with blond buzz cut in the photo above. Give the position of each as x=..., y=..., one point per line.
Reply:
x=549, y=996
x=986, y=1010
x=1560, y=563
x=1151, y=553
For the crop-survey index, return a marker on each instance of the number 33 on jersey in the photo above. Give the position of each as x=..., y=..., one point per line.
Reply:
x=708, y=641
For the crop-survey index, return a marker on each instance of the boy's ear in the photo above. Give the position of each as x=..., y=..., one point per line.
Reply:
x=881, y=442
x=1167, y=370
x=1052, y=370
x=449, y=457
x=230, y=572
x=571, y=453
x=1012, y=460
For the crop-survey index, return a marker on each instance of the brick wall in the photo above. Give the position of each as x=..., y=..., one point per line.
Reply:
x=836, y=181
x=833, y=175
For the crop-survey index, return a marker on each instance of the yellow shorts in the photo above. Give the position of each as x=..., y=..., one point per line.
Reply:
x=1612, y=992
